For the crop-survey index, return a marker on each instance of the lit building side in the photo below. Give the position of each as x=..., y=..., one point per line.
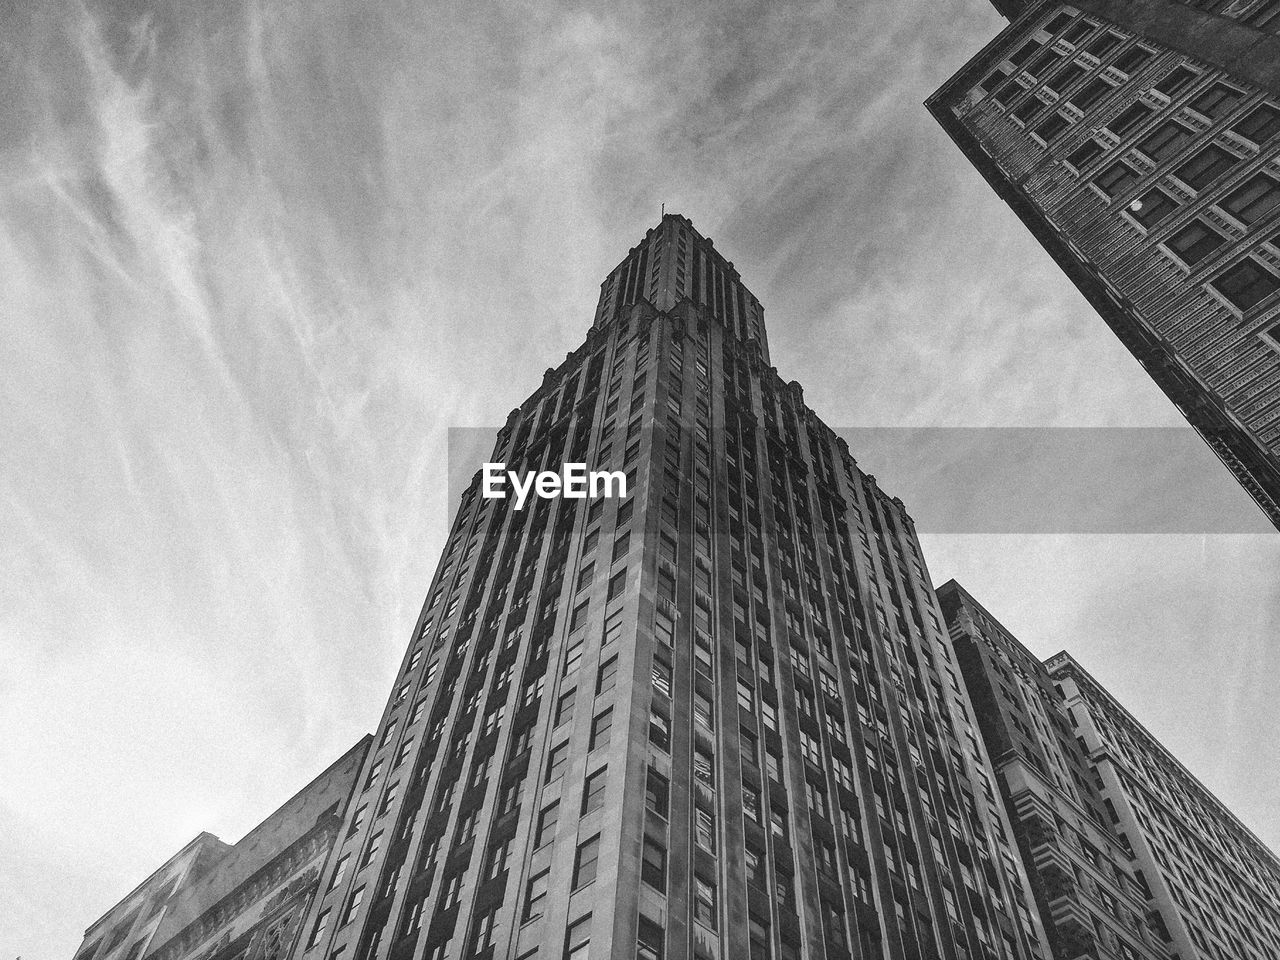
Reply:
x=242, y=901
x=1090, y=901
x=715, y=719
x=1215, y=885
x=1140, y=143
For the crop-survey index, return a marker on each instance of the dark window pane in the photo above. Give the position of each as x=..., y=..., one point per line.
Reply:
x=1132, y=59
x=1066, y=77
x=1152, y=207
x=1216, y=101
x=1194, y=242
x=1116, y=179
x=1058, y=22
x=1078, y=32
x=1052, y=127
x=1205, y=167
x=1176, y=80
x=1129, y=119
x=1028, y=109
x=1246, y=284
x=1085, y=154
x=1249, y=203
x=1166, y=140
x=1044, y=62
x=1090, y=93
x=1260, y=125
x=1103, y=45
x=1023, y=52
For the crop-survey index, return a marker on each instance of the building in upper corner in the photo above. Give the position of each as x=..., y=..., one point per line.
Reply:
x=1090, y=900
x=242, y=901
x=1139, y=141
x=126, y=930
x=714, y=718
x=1215, y=885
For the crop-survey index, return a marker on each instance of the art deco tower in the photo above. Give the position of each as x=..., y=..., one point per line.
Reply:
x=717, y=719
x=1139, y=141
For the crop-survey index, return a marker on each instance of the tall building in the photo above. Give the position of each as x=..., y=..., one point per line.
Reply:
x=714, y=718
x=1090, y=900
x=1215, y=885
x=1139, y=141
x=242, y=901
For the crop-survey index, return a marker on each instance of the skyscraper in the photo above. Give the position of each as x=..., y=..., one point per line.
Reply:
x=1215, y=885
x=1140, y=144
x=1090, y=900
x=714, y=718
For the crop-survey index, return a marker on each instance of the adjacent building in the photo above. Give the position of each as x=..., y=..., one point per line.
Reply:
x=716, y=717
x=1214, y=885
x=1090, y=900
x=242, y=901
x=1139, y=141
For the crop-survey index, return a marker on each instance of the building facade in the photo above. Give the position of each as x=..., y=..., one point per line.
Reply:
x=1139, y=141
x=242, y=901
x=1215, y=886
x=1090, y=900
x=714, y=718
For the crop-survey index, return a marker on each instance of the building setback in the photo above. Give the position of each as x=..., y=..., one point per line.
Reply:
x=242, y=901
x=1215, y=885
x=1090, y=900
x=715, y=719
x=1139, y=141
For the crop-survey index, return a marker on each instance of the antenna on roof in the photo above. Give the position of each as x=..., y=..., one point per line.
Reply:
x=664, y=209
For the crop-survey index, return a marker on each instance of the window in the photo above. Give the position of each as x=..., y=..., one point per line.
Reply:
x=704, y=902
x=1166, y=140
x=649, y=940
x=1078, y=32
x=704, y=768
x=1059, y=21
x=593, y=792
x=557, y=760
x=579, y=617
x=584, y=867
x=1019, y=56
x=1152, y=207
x=535, y=893
x=577, y=942
x=1194, y=242
x=547, y=820
x=1066, y=77
x=600, y=729
x=1176, y=81
x=1051, y=127
x=1104, y=44
x=653, y=864
x=1129, y=119
x=322, y=922
x=659, y=730
x=661, y=677
x=1205, y=167
x=353, y=905
x=759, y=939
x=607, y=676
x=1085, y=154
x=1090, y=93
x=564, y=707
x=1249, y=203
x=1116, y=179
x=704, y=829
x=1132, y=59
x=1260, y=125
x=1028, y=109
x=620, y=547
x=1216, y=101
x=617, y=586
x=1246, y=284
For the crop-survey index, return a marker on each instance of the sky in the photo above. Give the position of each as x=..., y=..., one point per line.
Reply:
x=258, y=259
